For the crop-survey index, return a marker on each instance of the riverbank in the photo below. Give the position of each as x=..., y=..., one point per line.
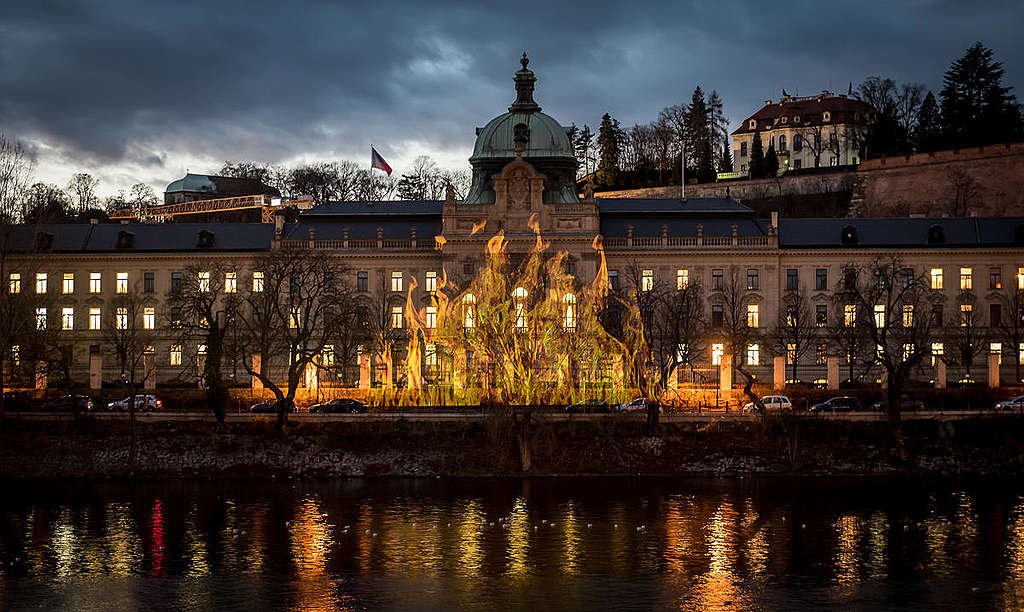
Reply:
x=101, y=449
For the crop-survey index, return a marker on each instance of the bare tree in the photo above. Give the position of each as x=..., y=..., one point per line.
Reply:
x=202, y=311
x=892, y=313
x=126, y=331
x=1010, y=325
x=795, y=333
x=967, y=338
x=82, y=191
x=738, y=330
x=815, y=139
x=964, y=190
x=288, y=322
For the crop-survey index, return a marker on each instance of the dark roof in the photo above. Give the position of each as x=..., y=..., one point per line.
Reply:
x=810, y=110
x=147, y=237
x=618, y=226
x=392, y=207
x=903, y=232
x=364, y=228
x=614, y=206
x=223, y=186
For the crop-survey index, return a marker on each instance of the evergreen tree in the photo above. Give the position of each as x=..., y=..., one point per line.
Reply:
x=756, y=157
x=725, y=162
x=976, y=108
x=609, y=143
x=771, y=161
x=583, y=147
x=718, y=127
x=928, y=131
x=698, y=136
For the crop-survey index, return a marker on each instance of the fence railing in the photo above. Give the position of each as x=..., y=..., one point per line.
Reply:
x=675, y=242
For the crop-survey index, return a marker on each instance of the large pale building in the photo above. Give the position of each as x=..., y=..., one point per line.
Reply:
x=807, y=132
x=523, y=180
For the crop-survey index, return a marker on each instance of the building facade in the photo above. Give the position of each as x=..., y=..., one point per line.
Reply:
x=394, y=254
x=807, y=132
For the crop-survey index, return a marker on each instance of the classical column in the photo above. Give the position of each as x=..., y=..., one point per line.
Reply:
x=254, y=382
x=149, y=371
x=832, y=368
x=940, y=374
x=459, y=369
x=364, y=370
x=779, y=372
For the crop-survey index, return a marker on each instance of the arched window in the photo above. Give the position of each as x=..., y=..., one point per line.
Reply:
x=519, y=303
x=782, y=142
x=798, y=142
x=469, y=311
x=569, y=311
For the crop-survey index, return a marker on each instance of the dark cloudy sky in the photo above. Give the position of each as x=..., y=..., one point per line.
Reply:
x=140, y=91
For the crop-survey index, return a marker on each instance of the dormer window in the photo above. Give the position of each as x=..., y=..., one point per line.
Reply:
x=784, y=119
x=796, y=119
x=205, y=239
x=826, y=116
x=125, y=240
x=753, y=124
x=936, y=235
x=44, y=241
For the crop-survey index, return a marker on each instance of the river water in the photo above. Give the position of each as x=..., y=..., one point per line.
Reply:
x=540, y=544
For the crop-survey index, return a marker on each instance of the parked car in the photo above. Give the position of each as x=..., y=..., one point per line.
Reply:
x=637, y=405
x=591, y=405
x=1016, y=403
x=773, y=403
x=906, y=403
x=268, y=407
x=143, y=403
x=68, y=404
x=837, y=404
x=341, y=405
x=17, y=402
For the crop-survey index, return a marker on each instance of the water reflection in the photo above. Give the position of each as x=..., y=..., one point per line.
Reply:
x=694, y=544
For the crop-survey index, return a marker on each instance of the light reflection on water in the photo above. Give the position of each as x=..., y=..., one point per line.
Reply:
x=531, y=544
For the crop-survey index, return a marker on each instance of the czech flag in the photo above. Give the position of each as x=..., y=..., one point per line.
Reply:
x=376, y=161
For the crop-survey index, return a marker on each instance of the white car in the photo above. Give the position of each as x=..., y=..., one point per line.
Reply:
x=773, y=403
x=142, y=403
x=1016, y=403
x=638, y=404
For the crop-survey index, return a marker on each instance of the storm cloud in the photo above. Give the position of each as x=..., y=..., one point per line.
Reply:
x=141, y=91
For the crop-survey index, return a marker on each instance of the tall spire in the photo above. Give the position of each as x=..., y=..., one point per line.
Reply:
x=524, y=89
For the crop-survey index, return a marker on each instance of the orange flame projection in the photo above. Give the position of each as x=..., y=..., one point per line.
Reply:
x=414, y=354
x=496, y=245
x=477, y=227
x=439, y=242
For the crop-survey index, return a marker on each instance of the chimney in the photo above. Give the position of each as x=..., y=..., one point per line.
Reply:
x=278, y=224
x=94, y=221
x=775, y=219
x=767, y=102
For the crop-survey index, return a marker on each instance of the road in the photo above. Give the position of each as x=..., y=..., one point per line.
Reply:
x=667, y=418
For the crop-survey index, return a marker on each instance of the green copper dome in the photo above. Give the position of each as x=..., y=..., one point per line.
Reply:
x=526, y=131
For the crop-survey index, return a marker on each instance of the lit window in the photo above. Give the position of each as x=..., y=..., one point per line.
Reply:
x=40, y=318
x=230, y=282
x=294, y=314
x=431, y=282
x=204, y=282
x=908, y=315
x=95, y=282
x=717, y=350
x=519, y=302
x=850, y=315
x=257, y=282
x=966, y=279
x=68, y=285
x=937, y=351
x=327, y=355
x=95, y=316
x=821, y=354
x=469, y=311
x=41, y=282
x=1020, y=279
x=14, y=283
x=753, y=354
x=879, y=315
x=682, y=279
x=966, y=315
x=936, y=276
x=569, y=311
x=396, y=281
x=149, y=318
x=996, y=348
x=430, y=354
x=681, y=351
x=175, y=354
x=995, y=278
x=396, y=317
x=753, y=314
x=16, y=354
x=67, y=318
x=201, y=350
x=121, y=318
x=820, y=315
x=647, y=280
x=908, y=351
x=121, y=285
x=431, y=315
